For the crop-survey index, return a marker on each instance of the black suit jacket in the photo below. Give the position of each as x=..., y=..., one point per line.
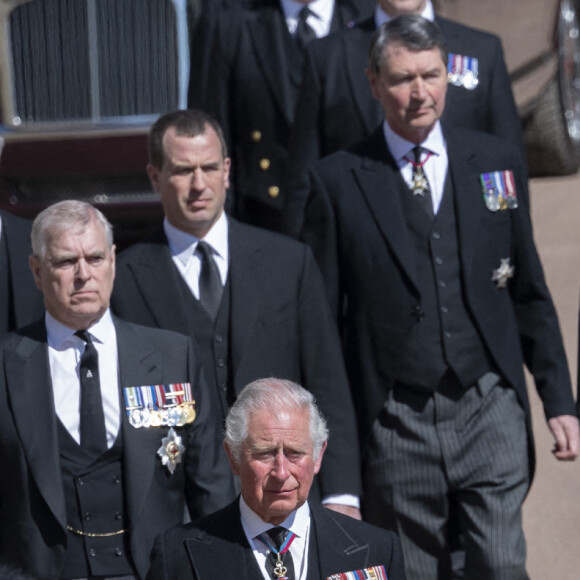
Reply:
x=336, y=108
x=280, y=326
x=25, y=304
x=354, y=221
x=249, y=79
x=33, y=516
x=217, y=547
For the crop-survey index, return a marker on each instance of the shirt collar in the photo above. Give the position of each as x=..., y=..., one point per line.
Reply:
x=59, y=335
x=322, y=9
x=182, y=245
x=400, y=147
x=381, y=16
x=297, y=522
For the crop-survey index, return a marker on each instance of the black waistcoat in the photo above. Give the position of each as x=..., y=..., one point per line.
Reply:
x=213, y=339
x=445, y=335
x=95, y=504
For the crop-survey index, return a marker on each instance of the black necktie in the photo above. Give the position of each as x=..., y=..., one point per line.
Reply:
x=276, y=563
x=210, y=283
x=93, y=434
x=304, y=32
x=420, y=185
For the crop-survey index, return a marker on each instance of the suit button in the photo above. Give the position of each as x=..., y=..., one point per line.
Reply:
x=80, y=481
x=116, y=479
x=256, y=136
x=435, y=235
x=441, y=284
x=447, y=334
x=264, y=164
x=274, y=191
x=118, y=552
x=438, y=261
x=444, y=309
x=221, y=363
x=219, y=338
x=87, y=516
x=118, y=515
x=92, y=552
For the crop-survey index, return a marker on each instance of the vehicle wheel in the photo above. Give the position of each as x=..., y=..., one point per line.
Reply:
x=552, y=131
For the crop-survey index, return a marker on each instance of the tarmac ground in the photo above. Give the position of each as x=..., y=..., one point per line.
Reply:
x=552, y=508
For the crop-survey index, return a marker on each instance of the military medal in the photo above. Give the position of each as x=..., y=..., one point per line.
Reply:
x=171, y=450
x=280, y=570
x=499, y=190
x=419, y=183
x=170, y=405
x=502, y=274
x=374, y=573
x=463, y=71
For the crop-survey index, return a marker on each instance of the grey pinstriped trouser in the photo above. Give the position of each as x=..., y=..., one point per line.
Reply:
x=459, y=455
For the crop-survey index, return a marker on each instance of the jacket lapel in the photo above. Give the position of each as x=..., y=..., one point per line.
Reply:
x=30, y=392
x=140, y=363
x=160, y=282
x=378, y=179
x=271, y=40
x=245, y=275
x=337, y=550
x=223, y=535
x=467, y=192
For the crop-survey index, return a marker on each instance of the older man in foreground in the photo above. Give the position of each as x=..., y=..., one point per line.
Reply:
x=275, y=440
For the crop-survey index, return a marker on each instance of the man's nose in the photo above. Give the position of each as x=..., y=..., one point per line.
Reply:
x=82, y=271
x=198, y=180
x=280, y=468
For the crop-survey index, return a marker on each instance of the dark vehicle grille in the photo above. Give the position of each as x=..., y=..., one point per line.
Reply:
x=93, y=60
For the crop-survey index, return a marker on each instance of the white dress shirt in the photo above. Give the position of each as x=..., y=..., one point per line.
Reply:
x=435, y=166
x=381, y=16
x=64, y=354
x=320, y=18
x=297, y=522
x=183, y=245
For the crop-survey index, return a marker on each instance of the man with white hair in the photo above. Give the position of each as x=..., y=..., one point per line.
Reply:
x=106, y=435
x=275, y=440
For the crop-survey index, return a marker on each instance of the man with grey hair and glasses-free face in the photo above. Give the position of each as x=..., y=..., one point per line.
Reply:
x=336, y=109
x=431, y=268
x=275, y=440
x=106, y=435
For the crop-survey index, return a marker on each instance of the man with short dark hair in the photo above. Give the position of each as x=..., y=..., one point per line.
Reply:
x=336, y=109
x=106, y=432
x=432, y=272
x=275, y=440
x=253, y=300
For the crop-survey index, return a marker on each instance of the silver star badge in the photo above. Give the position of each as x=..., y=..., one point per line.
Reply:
x=171, y=450
x=503, y=273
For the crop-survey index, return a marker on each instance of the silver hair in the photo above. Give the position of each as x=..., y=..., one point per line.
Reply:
x=412, y=31
x=62, y=216
x=275, y=396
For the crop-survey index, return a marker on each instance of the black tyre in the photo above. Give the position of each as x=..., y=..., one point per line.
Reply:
x=552, y=130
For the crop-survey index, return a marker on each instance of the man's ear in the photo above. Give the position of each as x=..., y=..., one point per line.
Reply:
x=233, y=463
x=372, y=78
x=318, y=463
x=34, y=264
x=153, y=173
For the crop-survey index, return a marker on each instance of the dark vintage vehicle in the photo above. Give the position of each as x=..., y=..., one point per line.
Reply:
x=81, y=81
x=541, y=41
